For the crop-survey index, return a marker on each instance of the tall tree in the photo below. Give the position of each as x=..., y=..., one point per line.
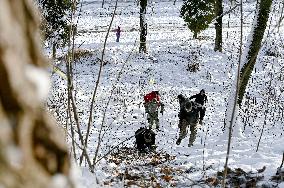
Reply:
x=262, y=15
x=55, y=24
x=143, y=26
x=197, y=14
x=32, y=148
x=218, y=25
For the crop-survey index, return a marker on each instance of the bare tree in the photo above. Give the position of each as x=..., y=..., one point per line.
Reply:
x=143, y=26
x=263, y=11
x=103, y=3
x=218, y=25
x=32, y=148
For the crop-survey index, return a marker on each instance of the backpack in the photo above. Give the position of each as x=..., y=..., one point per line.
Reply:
x=150, y=96
x=152, y=102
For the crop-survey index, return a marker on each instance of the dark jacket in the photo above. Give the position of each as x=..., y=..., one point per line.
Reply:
x=201, y=99
x=183, y=102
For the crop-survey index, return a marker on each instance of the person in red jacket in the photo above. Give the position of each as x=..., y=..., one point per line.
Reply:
x=152, y=104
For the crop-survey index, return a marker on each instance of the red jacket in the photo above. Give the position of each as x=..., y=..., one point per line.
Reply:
x=150, y=96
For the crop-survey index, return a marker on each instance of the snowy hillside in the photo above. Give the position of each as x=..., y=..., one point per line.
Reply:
x=129, y=75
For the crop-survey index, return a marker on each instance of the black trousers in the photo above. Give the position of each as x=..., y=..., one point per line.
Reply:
x=202, y=112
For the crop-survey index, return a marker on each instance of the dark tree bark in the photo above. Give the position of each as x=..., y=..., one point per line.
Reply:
x=32, y=148
x=218, y=25
x=103, y=3
x=255, y=45
x=195, y=35
x=282, y=162
x=143, y=26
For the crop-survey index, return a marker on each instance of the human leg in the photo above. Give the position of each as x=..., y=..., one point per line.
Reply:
x=183, y=130
x=202, y=114
x=156, y=119
x=192, y=137
x=150, y=120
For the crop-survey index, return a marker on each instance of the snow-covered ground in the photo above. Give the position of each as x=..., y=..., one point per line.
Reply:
x=171, y=49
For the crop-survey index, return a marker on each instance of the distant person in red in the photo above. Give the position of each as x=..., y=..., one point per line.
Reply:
x=118, y=34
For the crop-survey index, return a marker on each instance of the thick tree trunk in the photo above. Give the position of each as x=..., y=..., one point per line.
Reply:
x=32, y=148
x=258, y=32
x=143, y=26
x=218, y=25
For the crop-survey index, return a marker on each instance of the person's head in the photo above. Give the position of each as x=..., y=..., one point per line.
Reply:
x=148, y=136
x=180, y=96
x=156, y=92
x=188, y=106
x=202, y=92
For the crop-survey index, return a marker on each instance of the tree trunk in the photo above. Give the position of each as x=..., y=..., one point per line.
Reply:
x=103, y=3
x=218, y=25
x=143, y=26
x=32, y=148
x=263, y=11
x=195, y=35
x=53, y=51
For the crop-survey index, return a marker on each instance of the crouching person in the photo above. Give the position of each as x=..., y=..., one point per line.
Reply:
x=145, y=140
x=188, y=116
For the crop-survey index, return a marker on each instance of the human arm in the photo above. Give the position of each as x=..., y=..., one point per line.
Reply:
x=193, y=96
x=181, y=98
x=146, y=107
x=205, y=100
x=162, y=108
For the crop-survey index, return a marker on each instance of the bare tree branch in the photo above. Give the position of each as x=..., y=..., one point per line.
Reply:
x=96, y=87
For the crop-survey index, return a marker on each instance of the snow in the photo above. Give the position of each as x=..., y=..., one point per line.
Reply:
x=170, y=50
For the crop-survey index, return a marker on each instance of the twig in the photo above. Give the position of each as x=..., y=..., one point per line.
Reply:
x=204, y=149
x=264, y=123
x=194, y=182
x=70, y=83
x=96, y=161
x=115, y=85
x=96, y=87
x=225, y=13
x=235, y=101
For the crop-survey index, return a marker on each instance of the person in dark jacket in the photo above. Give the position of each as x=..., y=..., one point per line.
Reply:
x=201, y=99
x=188, y=117
x=118, y=31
